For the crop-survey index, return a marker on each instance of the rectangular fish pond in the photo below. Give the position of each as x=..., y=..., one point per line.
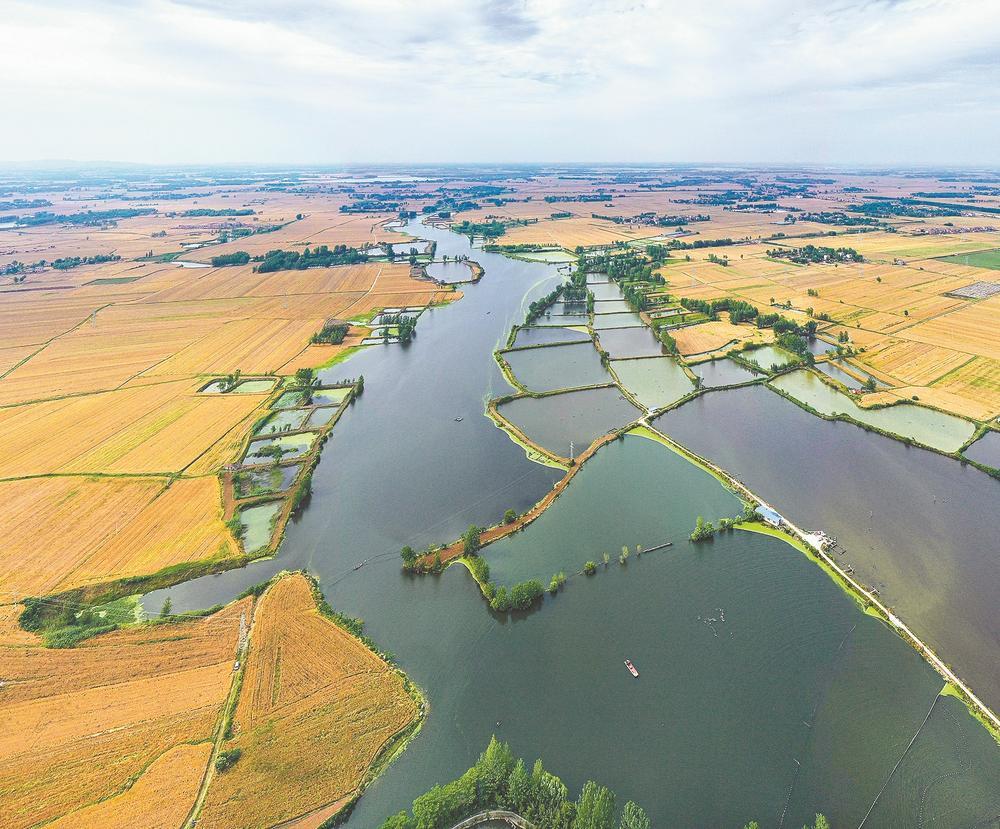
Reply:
x=577, y=417
x=638, y=341
x=251, y=482
x=653, y=381
x=626, y=320
x=544, y=335
x=986, y=450
x=557, y=366
x=291, y=446
x=927, y=426
x=283, y=421
x=257, y=523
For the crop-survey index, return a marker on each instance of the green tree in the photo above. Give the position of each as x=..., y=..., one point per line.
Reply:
x=520, y=792
x=634, y=817
x=167, y=607
x=409, y=555
x=595, y=808
x=493, y=770
x=470, y=540
x=510, y=516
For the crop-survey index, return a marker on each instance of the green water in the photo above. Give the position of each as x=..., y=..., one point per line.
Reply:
x=567, y=536
x=723, y=372
x=294, y=446
x=926, y=426
x=612, y=306
x=768, y=356
x=287, y=420
x=329, y=397
x=290, y=399
x=558, y=367
x=264, y=481
x=257, y=523
x=653, y=381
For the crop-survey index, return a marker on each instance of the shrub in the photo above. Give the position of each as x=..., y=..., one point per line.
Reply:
x=227, y=759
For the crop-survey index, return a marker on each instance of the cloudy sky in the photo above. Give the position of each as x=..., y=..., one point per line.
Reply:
x=332, y=81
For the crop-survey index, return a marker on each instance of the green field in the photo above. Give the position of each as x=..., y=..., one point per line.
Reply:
x=981, y=259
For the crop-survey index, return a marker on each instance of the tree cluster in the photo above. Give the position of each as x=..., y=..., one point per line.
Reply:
x=320, y=257
x=499, y=781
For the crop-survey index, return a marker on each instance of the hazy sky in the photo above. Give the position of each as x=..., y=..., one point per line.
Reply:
x=852, y=81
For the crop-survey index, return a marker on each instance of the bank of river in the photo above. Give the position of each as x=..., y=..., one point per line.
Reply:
x=795, y=703
x=917, y=525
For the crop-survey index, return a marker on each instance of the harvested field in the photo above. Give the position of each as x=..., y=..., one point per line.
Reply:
x=66, y=532
x=160, y=799
x=714, y=335
x=577, y=230
x=315, y=709
x=971, y=329
x=77, y=725
x=914, y=364
x=147, y=429
x=976, y=380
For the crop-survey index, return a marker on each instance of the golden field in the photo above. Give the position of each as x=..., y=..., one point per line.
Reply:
x=78, y=725
x=316, y=708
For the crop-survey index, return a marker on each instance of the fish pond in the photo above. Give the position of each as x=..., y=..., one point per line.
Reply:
x=917, y=423
x=630, y=342
x=290, y=446
x=534, y=335
x=251, y=482
x=557, y=367
x=629, y=320
x=577, y=417
x=725, y=372
x=986, y=450
x=795, y=703
x=769, y=357
x=257, y=523
x=450, y=272
x=286, y=420
x=653, y=381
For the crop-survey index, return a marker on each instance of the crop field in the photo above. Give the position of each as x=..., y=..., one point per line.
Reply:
x=77, y=724
x=315, y=709
x=711, y=336
x=160, y=799
x=978, y=380
x=914, y=364
x=157, y=428
x=569, y=233
x=972, y=329
x=64, y=532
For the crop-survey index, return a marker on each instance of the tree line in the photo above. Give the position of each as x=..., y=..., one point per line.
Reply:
x=499, y=781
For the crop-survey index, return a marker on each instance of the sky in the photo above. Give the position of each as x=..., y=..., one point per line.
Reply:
x=899, y=82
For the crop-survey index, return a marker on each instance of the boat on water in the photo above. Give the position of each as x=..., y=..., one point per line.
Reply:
x=631, y=668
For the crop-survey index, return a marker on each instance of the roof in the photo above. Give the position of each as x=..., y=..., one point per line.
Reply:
x=769, y=514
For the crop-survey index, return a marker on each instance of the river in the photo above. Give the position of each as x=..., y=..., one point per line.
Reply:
x=794, y=702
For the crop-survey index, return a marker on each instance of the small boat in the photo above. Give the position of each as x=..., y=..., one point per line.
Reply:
x=631, y=668
x=458, y=420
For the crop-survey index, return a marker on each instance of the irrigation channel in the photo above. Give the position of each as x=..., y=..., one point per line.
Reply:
x=765, y=693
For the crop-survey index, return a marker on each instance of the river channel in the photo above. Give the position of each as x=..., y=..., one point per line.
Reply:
x=764, y=692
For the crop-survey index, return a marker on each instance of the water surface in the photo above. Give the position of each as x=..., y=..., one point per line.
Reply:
x=577, y=417
x=558, y=366
x=630, y=342
x=919, y=526
x=653, y=381
x=986, y=450
x=927, y=426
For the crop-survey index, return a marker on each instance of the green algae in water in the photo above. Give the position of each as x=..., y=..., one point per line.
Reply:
x=768, y=356
x=283, y=421
x=258, y=523
x=293, y=445
x=927, y=426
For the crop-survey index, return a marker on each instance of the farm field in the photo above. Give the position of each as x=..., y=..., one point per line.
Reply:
x=117, y=465
x=316, y=708
x=78, y=724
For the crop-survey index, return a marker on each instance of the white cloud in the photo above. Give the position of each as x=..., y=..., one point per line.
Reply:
x=305, y=80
